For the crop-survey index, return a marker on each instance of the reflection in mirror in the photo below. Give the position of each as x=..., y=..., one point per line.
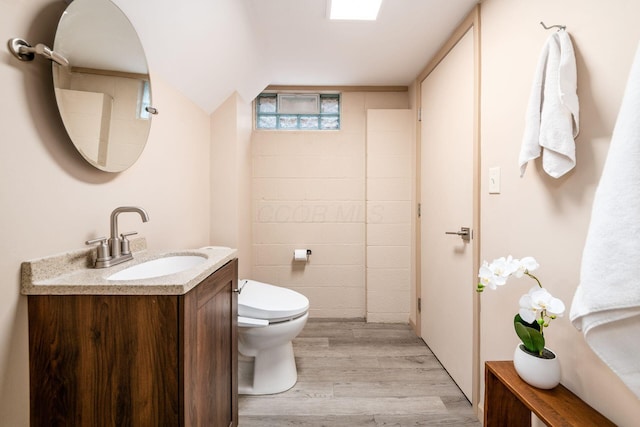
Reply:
x=103, y=94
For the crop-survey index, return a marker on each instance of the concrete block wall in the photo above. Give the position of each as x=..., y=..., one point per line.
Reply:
x=309, y=191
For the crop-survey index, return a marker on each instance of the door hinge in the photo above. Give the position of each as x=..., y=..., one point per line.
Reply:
x=420, y=114
x=419, y=210
x=419, y=305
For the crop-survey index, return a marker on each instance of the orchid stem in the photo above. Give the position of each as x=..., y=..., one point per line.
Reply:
x=533, y=277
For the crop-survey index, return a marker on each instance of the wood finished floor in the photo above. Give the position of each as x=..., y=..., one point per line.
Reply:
x=361, y=374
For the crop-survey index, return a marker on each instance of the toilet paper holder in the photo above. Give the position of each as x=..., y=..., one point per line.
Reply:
x=301, y=254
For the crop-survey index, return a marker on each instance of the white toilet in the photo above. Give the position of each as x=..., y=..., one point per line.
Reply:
x=269, y=317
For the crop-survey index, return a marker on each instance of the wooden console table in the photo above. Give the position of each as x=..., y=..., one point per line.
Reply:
x=509, y=402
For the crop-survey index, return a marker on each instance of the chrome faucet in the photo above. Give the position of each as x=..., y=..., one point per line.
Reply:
x=117, y=249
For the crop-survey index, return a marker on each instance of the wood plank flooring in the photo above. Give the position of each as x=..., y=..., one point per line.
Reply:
x=362, y=374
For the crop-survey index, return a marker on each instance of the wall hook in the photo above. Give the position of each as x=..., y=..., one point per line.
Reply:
x=25, y=52
x=559, y=27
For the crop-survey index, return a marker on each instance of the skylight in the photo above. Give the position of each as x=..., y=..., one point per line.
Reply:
x=355, y=10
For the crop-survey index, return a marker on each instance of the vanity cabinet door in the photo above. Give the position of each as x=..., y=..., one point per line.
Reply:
x=209, y=350
x=103, y=360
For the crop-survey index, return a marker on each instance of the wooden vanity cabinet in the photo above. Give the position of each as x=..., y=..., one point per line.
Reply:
x=136, y=360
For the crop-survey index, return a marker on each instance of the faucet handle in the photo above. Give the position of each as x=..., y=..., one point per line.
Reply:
x=125, y=249
x=103, y=248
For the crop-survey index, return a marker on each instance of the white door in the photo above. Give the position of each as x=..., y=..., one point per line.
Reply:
x=447, y=172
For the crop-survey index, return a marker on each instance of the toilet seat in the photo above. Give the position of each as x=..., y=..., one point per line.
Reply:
x=262, y=301
x=248, y=322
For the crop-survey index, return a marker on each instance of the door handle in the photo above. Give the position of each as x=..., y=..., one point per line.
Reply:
x=464, y=233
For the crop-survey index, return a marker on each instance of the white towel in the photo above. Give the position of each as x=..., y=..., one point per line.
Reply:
x=552, y=119
x=606, y=305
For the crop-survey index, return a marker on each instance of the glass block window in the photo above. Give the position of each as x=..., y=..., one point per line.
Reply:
x=289, y=111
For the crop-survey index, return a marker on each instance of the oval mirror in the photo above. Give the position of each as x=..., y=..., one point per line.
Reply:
x=104, y=93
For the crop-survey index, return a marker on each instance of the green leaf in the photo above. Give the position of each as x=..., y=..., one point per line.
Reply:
x=535, y=325
x=538, y=341
x=529, y=334
x=525, y=336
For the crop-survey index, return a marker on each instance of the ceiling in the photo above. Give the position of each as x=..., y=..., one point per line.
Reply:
x=208, y=49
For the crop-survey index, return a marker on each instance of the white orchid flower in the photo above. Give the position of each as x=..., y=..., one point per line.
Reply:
x=496, y=274
x=526, y=264
x=488, y=278
x=539, y=300
x=504, y=267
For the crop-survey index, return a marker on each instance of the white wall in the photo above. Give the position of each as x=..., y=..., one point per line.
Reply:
x=309, y=192
x=538, y=215
x=52, y=201
x=231, y=126
x=390, y=211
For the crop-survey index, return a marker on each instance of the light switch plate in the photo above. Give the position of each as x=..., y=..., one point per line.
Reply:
x=494, y=180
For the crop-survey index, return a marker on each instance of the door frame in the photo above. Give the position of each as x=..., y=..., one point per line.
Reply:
x=471, y=22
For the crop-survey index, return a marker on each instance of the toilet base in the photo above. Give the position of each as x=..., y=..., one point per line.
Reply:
x=271, y=371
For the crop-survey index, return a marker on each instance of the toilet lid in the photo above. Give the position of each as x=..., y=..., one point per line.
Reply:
x=263, y=301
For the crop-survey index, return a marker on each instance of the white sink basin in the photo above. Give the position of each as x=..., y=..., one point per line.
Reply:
x=158, y=267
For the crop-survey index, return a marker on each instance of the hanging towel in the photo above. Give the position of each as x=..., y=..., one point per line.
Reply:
x=606, y=305
x=552, y=119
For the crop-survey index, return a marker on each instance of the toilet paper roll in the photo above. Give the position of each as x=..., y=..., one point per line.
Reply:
x=300, y=255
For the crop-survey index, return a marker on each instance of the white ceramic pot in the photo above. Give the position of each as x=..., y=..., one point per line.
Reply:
x=536, y=371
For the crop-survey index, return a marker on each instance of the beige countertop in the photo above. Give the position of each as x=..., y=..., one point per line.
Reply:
x=71, y=273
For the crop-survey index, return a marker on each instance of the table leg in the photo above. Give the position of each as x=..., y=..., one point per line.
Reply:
x=501, y=407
